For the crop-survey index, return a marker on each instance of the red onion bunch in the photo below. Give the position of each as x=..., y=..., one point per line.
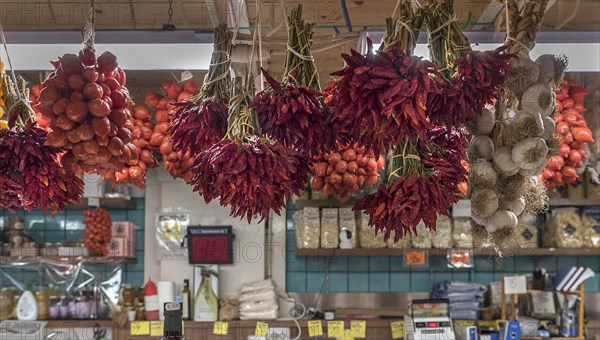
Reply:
x=30, y=174
x=384, y=95
x=425, y=184
x=292, y=114
x=253, y=175
x=87, y=104
x=201, y=121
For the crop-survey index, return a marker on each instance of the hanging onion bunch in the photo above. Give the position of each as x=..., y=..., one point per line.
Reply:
x=247, y=171
x=384, y=95
x=423, y=184
x=87, y=104
x=30, y=174
x=201, y=120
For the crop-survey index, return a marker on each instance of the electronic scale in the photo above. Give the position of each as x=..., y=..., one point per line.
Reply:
x=429, y=320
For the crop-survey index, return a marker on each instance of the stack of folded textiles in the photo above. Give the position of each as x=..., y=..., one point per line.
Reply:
x=466, y=299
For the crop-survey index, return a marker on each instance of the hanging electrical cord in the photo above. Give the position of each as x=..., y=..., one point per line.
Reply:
x=169, y=26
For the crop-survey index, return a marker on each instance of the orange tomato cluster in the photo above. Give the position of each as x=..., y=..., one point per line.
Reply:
x=345, y=170
x=574, y=134
x=97, y=232
x=34, y=94
x=177, y=163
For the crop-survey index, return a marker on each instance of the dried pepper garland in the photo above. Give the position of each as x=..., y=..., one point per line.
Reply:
x=424, y=184
x=246, y=171
x=201, y=121
x=30, y=174
x=292, y=112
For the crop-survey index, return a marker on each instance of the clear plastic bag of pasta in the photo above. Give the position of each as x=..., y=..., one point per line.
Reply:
x=311, y=235
x=366, y=235
x=330, y=229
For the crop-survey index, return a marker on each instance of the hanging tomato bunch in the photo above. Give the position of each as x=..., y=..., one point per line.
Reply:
x=87, y=103
x=572, y=130
x=178, y=163
x=97, y=232
x=42, y=121
x=345, y=170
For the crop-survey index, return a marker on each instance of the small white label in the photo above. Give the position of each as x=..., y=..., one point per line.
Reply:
x=186, y=75
x=515, y=285
x=93, y=201
x=170, y=306
x=462, y=208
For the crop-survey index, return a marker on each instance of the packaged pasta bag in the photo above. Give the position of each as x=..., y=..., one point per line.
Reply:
x=311, y=235
x=330, y=229
x=366, y=235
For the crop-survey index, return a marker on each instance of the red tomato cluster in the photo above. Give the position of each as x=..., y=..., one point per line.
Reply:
x=34, y=94
x=572, y=129
x=177, y=163
x=345, y=170
x=97, y=232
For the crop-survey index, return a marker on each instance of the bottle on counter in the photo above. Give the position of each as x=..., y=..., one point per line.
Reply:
x=186, y=297
x=151, y=300
x=173, y=329
x=27, y=309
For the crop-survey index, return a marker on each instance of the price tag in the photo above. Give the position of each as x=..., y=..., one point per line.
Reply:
x=335, y=329
x=261, y=329
x=397, y=329
x=139, y=328
x=415, y=257
x=186, y=75
x=220, y=328
x=93, y=201
x=157, y=328
x=515, y=285
x=460, y=258
x=347, y=335
x=358, y=328
x=315, y=328
x=462, y=208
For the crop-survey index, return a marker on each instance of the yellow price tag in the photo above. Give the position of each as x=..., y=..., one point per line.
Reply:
x=335, y=329
x=157, y=328
x=315, y=328
x=358, y=328
x=397, y=329
x=347, y=335
x=220, y=328
x=261, y=329
x=139, y=328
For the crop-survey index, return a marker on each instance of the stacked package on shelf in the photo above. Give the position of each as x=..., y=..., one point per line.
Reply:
x=366, y=235
x=298, y=219
x=442, y=236
x=311, y=229
x=591, y=223
x=461, y=232
x=258, y=301
x=422, y=237
x=564, y=230
x=466, y=299
x=330, y=228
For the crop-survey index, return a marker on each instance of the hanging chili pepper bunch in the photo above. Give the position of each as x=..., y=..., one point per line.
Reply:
x=384, y=94
x=292, y=112
x=474, y=78
x=178, y=163
x=247, y=171
x=30, y=174
x=201, y=121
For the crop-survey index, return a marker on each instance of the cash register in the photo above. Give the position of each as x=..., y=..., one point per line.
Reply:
x=429, y=320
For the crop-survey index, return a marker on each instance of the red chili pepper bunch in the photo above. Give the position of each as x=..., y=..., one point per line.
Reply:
x=201, y=121
x=477, y=82
x=30, y=175
x=253, y=176
x=384, y=95
x=427, y=175
x=292, y=114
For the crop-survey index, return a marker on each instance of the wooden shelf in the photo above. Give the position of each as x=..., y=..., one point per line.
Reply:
x=332, y=203
x=108, y=203
x=572, y=202
x=443, y=252
x=66, y=259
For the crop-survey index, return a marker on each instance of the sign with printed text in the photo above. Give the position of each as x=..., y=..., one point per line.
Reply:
x=157, y=328
x=347, y=335
x=358, y=328
x=139, y=328
x=460, y=258
x=415, y=257
x=261, y=329
x=397, y=329
x=315, y=328
x=515, y=284
x=220, y=328
x=335, y=329
x=462, y=208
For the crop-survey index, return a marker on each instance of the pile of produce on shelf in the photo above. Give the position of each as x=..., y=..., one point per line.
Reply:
x=344, y=170
x=178, y=163
x=573, y=134
x=135, y=171
x=513, y=140
x=97, y=233
x=201, y=120
x=31, y=176
x=88, y=106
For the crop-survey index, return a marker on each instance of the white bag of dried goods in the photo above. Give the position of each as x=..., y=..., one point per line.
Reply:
x=366, y=235
x=423, y=237
x=442, y=236
x=461, y=232
x=330, y=230
x=311, y=234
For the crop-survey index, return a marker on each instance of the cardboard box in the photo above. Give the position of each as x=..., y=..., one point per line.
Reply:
x=123, y=229
x=121, y=247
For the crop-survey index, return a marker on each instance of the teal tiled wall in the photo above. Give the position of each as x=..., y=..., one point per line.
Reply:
x=68, y=226
x=387, y=273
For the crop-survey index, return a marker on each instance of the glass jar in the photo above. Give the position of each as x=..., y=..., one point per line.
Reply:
x=140, y=296
x=54, y=307
x=6, y=303
x=83, y=308
x=42, y=304
x=128, y=295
